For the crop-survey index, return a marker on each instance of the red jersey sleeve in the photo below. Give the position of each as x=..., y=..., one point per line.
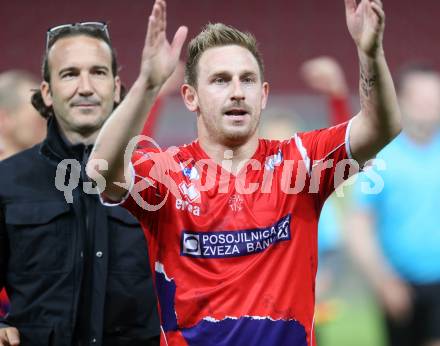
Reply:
x=151, y=183
x=326, y=153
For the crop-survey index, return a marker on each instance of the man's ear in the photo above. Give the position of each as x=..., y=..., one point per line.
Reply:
x=190, y=98
x=265, y=95
x=46, y=94
x=117, y=98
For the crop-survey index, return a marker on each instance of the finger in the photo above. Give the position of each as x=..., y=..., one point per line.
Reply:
x=179, y=40
x=379, y=2
x=365, y=5
x=157, y=18
x=164, y=15
x=159, y=14
x=149, y=38
x=13, y=336
x=4, y=337
x=152, y=22
x=379, y=12
x=350, y=6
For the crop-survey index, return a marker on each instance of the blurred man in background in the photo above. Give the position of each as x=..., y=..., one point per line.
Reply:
x=20, y=124
x=324, y=75
x=395, y=235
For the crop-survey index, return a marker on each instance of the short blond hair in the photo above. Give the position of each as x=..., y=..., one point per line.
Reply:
x=217, y=35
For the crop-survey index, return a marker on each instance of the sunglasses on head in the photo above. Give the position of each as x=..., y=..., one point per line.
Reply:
x=56, y=30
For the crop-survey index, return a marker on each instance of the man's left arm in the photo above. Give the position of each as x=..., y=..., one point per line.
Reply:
x=378, y=122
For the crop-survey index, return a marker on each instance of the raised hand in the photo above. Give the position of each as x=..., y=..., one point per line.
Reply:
x=159, y=57
x=325, y=75
x=366, y=22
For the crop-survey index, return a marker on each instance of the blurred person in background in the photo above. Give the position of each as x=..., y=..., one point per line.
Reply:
x=76, y=272
x=20, y=124
x=395, y=234
x=324, y=75
x=172, y=86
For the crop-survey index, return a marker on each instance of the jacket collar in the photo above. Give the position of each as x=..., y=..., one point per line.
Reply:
x=57, y=148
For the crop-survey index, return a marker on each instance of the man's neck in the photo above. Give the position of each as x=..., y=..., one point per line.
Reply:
x=231, y=157
x=78, y=138
x=420, y=135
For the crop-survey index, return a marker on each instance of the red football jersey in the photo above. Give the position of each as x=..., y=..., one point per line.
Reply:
x=235, y=257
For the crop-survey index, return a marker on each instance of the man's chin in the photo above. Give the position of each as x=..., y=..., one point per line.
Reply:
x=237, y=136
x=88, y=127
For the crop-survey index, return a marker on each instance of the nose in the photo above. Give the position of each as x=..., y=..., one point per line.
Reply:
x=237, y=91
x=85, y=86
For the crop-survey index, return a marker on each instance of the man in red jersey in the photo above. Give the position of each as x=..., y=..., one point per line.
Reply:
x=231, y=219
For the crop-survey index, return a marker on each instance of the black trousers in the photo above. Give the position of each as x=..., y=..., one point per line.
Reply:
x=424, y=323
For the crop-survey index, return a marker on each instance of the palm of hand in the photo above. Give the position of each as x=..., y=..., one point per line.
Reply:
x=158, y=61
x=159, y=57
x=365, y=27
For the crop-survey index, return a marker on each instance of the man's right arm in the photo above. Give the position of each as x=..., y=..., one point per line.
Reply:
x=159, y=59
x=393, y=293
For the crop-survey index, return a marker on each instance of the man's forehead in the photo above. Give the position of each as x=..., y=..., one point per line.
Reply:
x=79, y=50
x=232, y=58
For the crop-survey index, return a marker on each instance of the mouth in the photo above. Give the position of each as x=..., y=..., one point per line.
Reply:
x=85, y=105
x=236, y=112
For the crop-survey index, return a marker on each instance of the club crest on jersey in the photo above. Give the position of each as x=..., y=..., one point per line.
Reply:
x=223, y=244
x=273, y=161
x=235, y=203
x=190, y=172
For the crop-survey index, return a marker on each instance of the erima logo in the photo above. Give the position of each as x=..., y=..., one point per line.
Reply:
x=222, y=244
x=190, y=191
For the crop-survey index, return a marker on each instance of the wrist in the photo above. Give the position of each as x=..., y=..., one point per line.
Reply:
x=378, y=53
x=145, y=85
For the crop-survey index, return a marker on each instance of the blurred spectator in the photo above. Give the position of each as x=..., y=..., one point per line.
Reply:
x=325, y=75
x=395, y=234
x=20, y=124
x=171, y=86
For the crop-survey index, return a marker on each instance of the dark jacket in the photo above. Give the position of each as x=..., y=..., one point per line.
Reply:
x=75, y=273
